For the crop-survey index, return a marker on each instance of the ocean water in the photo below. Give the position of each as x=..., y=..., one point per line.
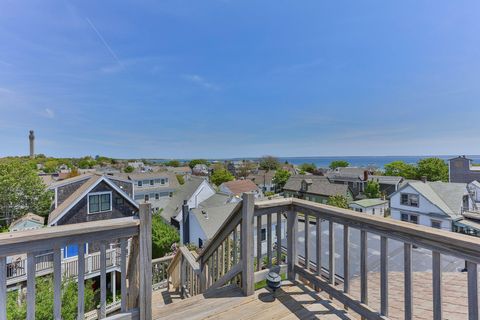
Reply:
x=355, y=161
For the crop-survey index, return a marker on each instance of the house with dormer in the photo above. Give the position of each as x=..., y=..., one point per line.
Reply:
x=315, y=188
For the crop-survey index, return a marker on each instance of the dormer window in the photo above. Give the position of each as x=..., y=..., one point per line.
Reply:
x=139, y=183
x=99, y=202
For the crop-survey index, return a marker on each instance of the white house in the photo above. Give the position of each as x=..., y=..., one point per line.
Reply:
x=376, y=207
x=193, y=192
x=205, y=221
x=474, y=189
x=434, y=204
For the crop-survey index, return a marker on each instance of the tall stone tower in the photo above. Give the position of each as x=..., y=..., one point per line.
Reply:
x=31, y=137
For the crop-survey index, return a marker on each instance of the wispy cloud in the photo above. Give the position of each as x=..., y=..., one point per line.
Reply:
x=105, y=43
x=48, y=113
x=195, y=78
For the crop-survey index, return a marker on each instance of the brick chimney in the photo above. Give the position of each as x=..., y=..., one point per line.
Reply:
x=185, y=222
x=365, y=175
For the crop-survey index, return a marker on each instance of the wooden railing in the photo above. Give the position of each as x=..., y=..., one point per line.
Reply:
x=184, y=273
x=230, y=253
x=160, y=272
x=135, y=296
x=17, y=270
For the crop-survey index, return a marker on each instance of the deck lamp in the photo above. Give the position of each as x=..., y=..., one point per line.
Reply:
x=274, y=281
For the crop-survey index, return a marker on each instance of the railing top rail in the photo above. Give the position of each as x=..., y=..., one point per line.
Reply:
x=163, y=259
x=451, y=243
x=47, y=238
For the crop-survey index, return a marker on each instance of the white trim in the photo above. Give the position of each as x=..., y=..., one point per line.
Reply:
x=99, y=204
x=103, y=178
x=56, y=198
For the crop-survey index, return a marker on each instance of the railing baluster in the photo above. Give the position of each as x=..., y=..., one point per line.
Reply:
x=384, y=276
x=30, y=286
x=363, y=267
x=248, y=209
x=259, y=243
x=229, y=252
x=279, y=238
x=319, y=245
x=437, y=285
x=235, y=246
x=103, y=280
x=307, y=240
x=331, y=252
x=407, y=256
x=346, y=267
x=57, y=284
x=269, y=240
x=3, y=288
x=292, y=230
x=81, y=281
x=472, y=290
x=123, y=270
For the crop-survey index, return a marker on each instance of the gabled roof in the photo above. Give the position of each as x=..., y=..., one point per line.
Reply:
x=447, y=196
x=184, y=192
x=262, y=176
x=238, y=187
x=80, y=193
x=319, y=185
x=366, y=203
x=211, y=219
x=26, y=220
x=71, y=180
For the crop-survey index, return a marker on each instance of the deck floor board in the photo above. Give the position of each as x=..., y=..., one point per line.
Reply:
x=293, y=301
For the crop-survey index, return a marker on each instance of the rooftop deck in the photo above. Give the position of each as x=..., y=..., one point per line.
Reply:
x=293, y=301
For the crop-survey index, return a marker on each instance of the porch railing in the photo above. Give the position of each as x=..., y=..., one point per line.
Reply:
x=136, y=283
x=229, y=255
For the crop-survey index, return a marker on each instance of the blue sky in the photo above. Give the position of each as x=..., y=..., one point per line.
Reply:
x=181, y=79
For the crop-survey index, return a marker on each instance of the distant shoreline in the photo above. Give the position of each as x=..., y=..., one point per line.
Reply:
x=355, y=161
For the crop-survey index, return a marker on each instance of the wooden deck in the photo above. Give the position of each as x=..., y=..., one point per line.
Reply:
x=294, y=301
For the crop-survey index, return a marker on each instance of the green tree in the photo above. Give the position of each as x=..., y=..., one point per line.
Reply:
x=339, y=201
x=44, y=300
x=372, y=189
x=172, y=163
x=50, y=166
x=220, y=176
x=194, y=162
x=338, y=164
x=129, y=169
x=180, y=179
x=434, y=169
x=401, y=169
x=280, y=178
x=308, y=167
x=22, y=191
x=269, y=163
x=86, y=163
x=163, y=237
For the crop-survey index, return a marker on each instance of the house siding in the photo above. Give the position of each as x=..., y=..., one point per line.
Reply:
x=79, y=213
x=460, y=171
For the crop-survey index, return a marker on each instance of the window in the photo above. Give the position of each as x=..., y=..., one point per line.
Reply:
x=408, y=199
x=409, y=218
x=166, y=180
x=99, y=202
x=263, y=235
x=152, y=182
x=200, y=243
x=436, y=224
x=157, y=196
x=146, y=198
x=373, y=210
x=139, y=183
x=162, y=181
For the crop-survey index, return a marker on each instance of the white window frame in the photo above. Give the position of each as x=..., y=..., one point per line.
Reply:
x=408, y=204
x=99, y=194
x=432, y=221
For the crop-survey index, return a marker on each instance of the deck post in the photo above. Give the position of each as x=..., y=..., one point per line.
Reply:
x=248, y=208
x=145, y=240
x=291, y=244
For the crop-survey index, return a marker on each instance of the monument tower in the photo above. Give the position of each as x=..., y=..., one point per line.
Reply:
x=31, y=137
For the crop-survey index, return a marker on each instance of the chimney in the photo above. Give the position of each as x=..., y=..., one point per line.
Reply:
x=31, y=137
x=365, y=175
x=185, y=222
x=424, y=179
